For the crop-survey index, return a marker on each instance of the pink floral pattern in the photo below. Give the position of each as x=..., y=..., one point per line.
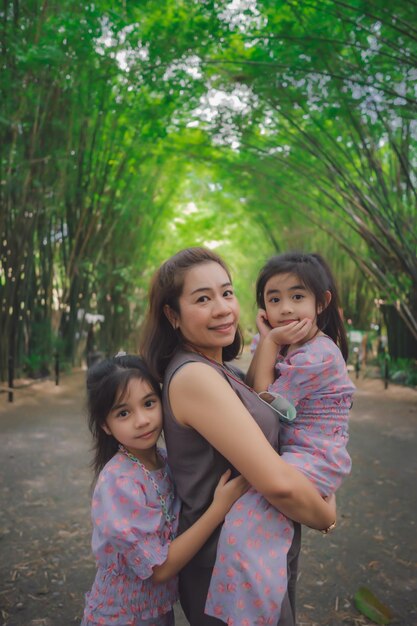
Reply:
x=249, y=578
x=130, y=537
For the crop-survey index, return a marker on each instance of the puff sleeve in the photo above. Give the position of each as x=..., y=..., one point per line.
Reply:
x=126, y=525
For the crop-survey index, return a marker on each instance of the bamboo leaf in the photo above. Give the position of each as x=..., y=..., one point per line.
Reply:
x=369, y=605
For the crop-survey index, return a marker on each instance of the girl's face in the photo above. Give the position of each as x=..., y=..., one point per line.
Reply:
x=288, y=300
x=208, y=310
x=135, y=420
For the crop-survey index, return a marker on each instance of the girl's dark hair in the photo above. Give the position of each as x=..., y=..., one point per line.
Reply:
x=106, y=382
x=317, y=277
x=159, y=340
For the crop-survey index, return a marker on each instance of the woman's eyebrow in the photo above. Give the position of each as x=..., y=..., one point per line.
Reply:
x=209, y=288
x=201, y=289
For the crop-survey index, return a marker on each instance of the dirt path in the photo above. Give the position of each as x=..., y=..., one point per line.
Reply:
x=46, y=565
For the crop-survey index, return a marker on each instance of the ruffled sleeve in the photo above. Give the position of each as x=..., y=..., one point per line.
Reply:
x=302, y=373
x=127, y=525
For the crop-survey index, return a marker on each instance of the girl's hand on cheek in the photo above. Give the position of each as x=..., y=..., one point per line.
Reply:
x=228, y=491
x=291, y=333
x=262, y=323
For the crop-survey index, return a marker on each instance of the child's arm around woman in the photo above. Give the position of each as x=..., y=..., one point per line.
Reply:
x=129, y=523
x=184, y=547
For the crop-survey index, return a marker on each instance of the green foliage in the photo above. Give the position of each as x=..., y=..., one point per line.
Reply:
x=287, y=125
x=81, y=170
x=36, y=366
x=401, y=371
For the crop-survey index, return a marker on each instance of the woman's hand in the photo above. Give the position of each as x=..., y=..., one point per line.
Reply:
x=228, y=491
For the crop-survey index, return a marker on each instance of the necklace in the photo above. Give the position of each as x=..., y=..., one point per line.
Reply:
x=168, y=518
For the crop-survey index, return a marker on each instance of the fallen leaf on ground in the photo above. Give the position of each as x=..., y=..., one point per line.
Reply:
x=369, y=605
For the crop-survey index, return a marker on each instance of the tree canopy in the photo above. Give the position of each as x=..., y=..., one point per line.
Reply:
x=129, y=130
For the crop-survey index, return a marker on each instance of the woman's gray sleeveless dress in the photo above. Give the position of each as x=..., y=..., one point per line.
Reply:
x=196, y=467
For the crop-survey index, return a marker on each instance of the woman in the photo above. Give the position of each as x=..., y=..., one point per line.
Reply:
x=212, y=420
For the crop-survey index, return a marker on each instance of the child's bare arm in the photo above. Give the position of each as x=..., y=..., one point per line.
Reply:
x=250, y=374
x=264, y=328
x=289, y=334
x=264, y=368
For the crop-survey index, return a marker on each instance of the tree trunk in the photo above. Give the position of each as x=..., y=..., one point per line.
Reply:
x=401, y=343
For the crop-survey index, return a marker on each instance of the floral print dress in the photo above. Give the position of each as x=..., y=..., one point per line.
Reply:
x=249, y=578
x=130, y=537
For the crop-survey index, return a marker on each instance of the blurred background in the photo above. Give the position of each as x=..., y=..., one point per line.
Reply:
x=129, y=130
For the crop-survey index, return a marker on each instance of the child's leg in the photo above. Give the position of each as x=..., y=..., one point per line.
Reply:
x=249, y=578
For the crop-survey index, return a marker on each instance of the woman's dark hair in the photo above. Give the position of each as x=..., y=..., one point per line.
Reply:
x=159, y=340
x=317, y=277
x=107, y=381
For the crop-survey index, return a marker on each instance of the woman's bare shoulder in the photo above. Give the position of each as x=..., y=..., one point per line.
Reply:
x=196, y=376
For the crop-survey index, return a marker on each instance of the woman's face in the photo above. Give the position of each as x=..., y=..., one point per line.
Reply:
x=208, y=309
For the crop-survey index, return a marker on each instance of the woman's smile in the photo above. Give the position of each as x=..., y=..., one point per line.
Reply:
x=224, y=328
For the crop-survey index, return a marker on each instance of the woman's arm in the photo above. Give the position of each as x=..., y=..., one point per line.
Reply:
x=183, y=548
x=202, y=399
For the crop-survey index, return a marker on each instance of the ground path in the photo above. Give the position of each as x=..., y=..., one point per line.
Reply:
x=46, y=565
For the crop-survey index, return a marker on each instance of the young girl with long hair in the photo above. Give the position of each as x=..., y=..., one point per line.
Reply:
x=214, y=421
x=134, y=508
x=300, y=358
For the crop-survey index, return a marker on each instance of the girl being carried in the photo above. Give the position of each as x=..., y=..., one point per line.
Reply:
x=297, y=358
